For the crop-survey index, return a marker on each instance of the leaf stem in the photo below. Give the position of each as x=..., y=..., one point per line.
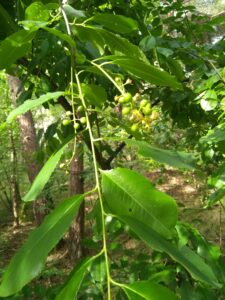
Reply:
x=97, y=185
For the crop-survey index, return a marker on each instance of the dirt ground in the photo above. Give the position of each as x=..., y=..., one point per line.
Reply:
x=189, y=194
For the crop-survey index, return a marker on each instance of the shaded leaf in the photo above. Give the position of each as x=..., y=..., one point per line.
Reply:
x=214, y=135
x=7, y=24
x=96, y=95
x=72, y=285
x=72, y=12
x=148, y=43
x=30, y=104
x=45, y=173
x=129, y=194
x=192, y=262
x=61, y=35
x=177, y=159
x=29, y=260
x=117, y=23
x=99, y=38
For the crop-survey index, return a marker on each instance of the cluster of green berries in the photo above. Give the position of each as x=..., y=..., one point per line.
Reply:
x=137, y=109
x=67, y=120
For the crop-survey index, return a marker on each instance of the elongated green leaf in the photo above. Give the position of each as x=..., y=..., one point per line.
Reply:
x=71, y=287
x=215, y=197
x=118, y=45
x=149, y=291
x=115, y=23
x=194, y=264
x=29, y=260
x=7, y=24
x=129, y=194
x=217, y=20
x=61, y=35
x=15, y=46
x=177, y=159
x=146, y=72
x=45, y=173
x=30, y=104
x=214, y=135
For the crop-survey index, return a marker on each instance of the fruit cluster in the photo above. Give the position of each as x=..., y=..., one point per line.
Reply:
x=76, y=124
x=137, y=109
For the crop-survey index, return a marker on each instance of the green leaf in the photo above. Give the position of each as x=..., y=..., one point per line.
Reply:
x=99, y=38
x=146, y=72
x=215, y=197
x=15, y=46
x=129, y=194
x=175, y=68
x=148, y=43
x=217, y=179
x=214, y=135
x=45, y=173
x=209, y=100
x=193, y=263
x=29, y=260
x=96, y=95
x=72, y=285
x=30, y=104
x=177, y=159
x=217, y=20
x=7, y=24
x=72, y=12
x=37, y=12
x=164, y=51
x=115, y=23
x=149, y=291
x=61, y=35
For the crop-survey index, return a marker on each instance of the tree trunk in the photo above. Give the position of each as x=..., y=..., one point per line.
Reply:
x=16, y=198
x=76, y=186
x=29, y=145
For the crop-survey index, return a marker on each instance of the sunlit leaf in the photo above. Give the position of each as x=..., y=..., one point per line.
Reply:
x=129, y=194
x=29, y=260
x=30, y=104
x=15, y=46
x=149, y=291
x=146, y=72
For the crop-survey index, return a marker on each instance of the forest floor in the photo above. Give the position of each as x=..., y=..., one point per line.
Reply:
x=183, y=187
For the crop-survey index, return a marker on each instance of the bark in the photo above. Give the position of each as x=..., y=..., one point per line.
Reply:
x=16, y=198
x=76, y=186
x=29, y=146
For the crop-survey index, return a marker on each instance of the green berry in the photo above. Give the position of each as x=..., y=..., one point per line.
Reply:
x=143, y=103
x=146, y=111
x=134, y=127
x=80, y=108
x=126, y=110
x=125, y=98
x=76, y=126
x=68, y=113
x=83, y=120
x=66, y=122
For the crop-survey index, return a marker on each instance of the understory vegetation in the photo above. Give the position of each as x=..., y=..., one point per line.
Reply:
x=112, y=150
